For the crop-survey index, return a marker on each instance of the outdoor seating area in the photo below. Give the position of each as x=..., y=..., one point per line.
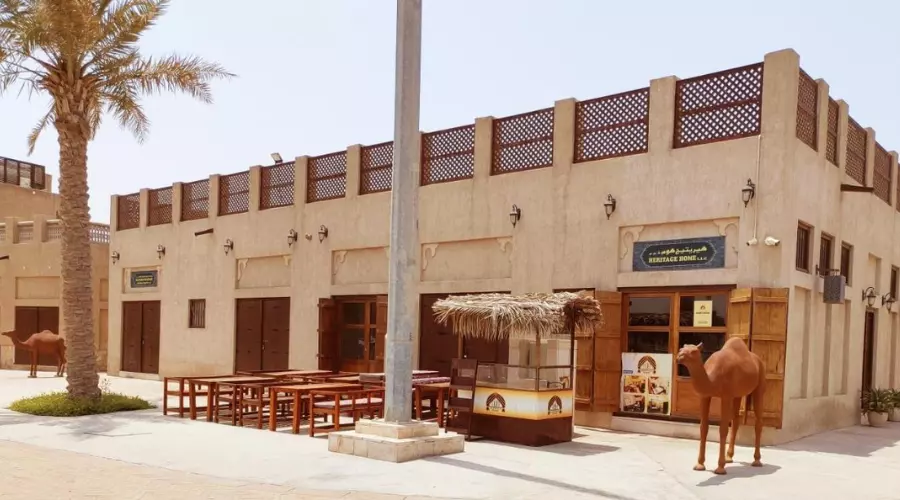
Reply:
x=322, y=400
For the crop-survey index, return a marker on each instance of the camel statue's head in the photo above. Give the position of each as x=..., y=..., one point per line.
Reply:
x=690, y=353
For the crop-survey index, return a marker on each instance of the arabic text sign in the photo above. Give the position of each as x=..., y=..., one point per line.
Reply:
x=143, y=279
x=673, y=255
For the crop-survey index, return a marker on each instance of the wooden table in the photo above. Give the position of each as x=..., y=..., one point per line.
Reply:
x=325, y=377
x=181, y=393
x=293, y=373
x=211, y=384
x=297, y=391
x=441, y=388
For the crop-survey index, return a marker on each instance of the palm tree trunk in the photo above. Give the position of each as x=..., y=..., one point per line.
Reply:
x=77, y=292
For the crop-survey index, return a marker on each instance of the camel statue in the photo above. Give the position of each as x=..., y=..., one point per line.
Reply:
x=730, y=374
x=40, y=343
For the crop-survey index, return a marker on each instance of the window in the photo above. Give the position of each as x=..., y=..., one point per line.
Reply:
x=894, y=276
x=804, y=238
x=826, y=251
x=847, y=261
x=648, y=324
x=197, y=313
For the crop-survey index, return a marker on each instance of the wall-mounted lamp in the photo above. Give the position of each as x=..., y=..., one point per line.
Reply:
x=869, y=296
x=292, y=237
x=277, y=158
x=748, y=193
x=515, y=214
x=229, y=246
x=160, y=251
x=115, y=257
x=323, y=233
x=887, y=300
x=609, y=206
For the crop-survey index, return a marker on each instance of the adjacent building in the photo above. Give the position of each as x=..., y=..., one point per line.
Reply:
x=695, y=210
x=30, y=281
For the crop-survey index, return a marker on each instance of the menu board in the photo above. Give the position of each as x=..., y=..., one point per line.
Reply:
x=646, y=383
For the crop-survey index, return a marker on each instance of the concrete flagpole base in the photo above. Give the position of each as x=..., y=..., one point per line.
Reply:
x=393, y=442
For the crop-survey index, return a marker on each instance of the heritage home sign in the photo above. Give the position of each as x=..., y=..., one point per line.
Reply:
x=144, y=279
x=677, y=255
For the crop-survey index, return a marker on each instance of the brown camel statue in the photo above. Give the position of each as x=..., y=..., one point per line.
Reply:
x=41, y=343
x=730, y=374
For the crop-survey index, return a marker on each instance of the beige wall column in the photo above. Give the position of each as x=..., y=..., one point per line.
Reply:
x=113, y=213
x=894, y=180
x=48, y=183
x=822, y=122
x=870, y=157
x=354, y=163
x=40, y=228
x=484, y=137
x=213, y=197
x=144, y=207
x=662, y=114
x=176, y=202
x=843, y=120
x=301, y=165
x=255, y=187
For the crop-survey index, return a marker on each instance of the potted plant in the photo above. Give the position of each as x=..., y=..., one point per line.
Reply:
x=894, y=416
x=876, y=404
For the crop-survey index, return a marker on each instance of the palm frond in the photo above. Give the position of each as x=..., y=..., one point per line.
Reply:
x=122, y=101
x=174, y=73
x=38, y=128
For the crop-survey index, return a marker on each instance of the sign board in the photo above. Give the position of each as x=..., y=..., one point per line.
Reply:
x=703, y=313
x=676, y=255
x=144, y=279
x=646, y=383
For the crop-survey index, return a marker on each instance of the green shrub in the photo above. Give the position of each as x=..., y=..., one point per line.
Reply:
x=58, y=404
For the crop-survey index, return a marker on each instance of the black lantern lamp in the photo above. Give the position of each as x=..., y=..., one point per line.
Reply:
x=515, y=214
x=748, y=193
x=160, y=252
x=869, y=296
x=887, y=300
x=323, y=233
x=229, y=246
x=609, y=206
x=292, y=237
x=115, y=257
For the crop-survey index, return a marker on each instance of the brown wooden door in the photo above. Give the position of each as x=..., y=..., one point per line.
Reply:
x=768, y=340
x=438, y=346
x=48, y=319
x=132, y=331
x=868, y=351
x=380, y=332
x=608, y=353
x=150, y=327
x=248, y=335
x=276, y=333
x=26, y=326
x=328, y=336
x=486, y=351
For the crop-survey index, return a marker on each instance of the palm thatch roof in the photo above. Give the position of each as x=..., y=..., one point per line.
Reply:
x=499, y=316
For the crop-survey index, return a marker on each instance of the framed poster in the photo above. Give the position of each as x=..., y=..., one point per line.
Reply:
x=703, y=310
x=646, y=383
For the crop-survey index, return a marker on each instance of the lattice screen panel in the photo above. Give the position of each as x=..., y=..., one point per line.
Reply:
x=831, y=141
x=375, y=169
x=612, y=126
x=523, y=142
x=128, y=211
x=195, y=200
x=159, y=206
x=856, y=151
x=807, y=110
x=326, y=177
x=718, y=107
x=448, y=155
x=234, y=193
x=882, y=179
x=276, y=186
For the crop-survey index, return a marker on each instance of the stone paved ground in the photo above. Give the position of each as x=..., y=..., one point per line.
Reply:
x=852, y=463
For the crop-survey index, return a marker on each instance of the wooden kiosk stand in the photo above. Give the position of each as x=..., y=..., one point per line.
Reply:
x=529, y=402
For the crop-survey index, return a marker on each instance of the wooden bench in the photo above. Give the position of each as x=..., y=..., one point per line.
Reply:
x=354, y=403
x=181, y=392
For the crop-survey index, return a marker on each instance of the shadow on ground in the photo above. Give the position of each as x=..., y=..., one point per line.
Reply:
x=526, y=477
x=573, y=448
x=856, y=441
x=742, y=470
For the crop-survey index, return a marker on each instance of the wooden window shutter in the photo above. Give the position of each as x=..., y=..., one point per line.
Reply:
x=740, y=311
x=584, y=369
x=768, y=339
x=328, y=338
x=381, y=314
x=608, y=353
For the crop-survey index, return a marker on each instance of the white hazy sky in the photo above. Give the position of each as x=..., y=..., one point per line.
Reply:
x=317, y=75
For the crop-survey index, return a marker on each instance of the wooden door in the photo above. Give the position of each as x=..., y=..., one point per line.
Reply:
x=131, y=336
x=150, y=318
x=248, y=335
x=380, y=332
x=48, y=319
x=328, y=336
x=355, y=333
x=608, y=353
x=768, y=340
x=438, y=346
x=276, y=333
x=868, y=351
x=26, y=326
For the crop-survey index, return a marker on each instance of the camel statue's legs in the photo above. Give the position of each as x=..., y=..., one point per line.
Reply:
x=757, y=413
x=32, y=372
x=735, y=424
x=727, y=405
x=704, y=430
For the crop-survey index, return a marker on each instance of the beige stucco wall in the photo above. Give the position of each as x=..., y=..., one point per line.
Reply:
x=563, y=240
x=18, y=201
x=31, y=277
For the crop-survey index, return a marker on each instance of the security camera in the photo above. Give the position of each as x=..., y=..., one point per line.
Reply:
x=772, y=242
x=752, y=242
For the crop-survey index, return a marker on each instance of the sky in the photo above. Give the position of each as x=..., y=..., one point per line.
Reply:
x=315, y=76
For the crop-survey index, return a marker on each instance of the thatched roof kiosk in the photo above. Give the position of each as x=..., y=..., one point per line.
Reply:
x=531, y=316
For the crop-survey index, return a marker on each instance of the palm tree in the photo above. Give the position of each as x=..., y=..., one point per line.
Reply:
x=84, y=55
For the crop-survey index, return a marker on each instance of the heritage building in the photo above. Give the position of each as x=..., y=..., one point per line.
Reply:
x=694, y=209
x=30, y=281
